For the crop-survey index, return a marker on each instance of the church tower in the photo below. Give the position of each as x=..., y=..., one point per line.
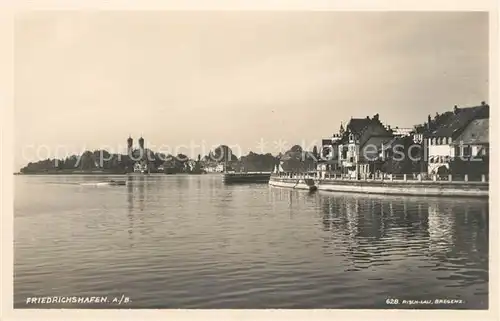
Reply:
x=130, y=141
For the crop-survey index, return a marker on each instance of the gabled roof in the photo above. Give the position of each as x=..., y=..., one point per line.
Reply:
x=452, y=123
x=356, y=125
x=477, y=132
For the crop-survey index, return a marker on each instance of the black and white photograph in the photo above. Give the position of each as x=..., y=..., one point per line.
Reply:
x=260, y=159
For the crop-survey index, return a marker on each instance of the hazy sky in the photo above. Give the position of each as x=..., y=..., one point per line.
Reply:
x=88, y=80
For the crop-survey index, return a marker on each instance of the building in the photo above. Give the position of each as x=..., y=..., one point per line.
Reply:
x=474, y=140
x=461, y=133
x=141, y=158
x=329, y=160
x=214, y=168
x=400, y=132
x=360, y=145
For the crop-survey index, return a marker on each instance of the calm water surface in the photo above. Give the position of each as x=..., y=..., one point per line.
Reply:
x=192, y=242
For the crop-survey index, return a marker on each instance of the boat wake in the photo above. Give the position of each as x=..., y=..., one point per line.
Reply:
x=96, y=184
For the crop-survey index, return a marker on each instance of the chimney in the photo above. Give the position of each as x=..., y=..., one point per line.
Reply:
x=367, y=117
x=375, y=117
x=483, y=103
x=455, y=109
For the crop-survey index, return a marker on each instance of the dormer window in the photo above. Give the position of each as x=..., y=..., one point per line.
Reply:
x=351, y=137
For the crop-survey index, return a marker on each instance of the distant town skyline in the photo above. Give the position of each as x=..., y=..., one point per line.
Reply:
x=89, y=80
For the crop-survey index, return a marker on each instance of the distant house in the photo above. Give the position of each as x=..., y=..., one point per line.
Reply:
x=140, y=167
x=360, y=145
x=214, y=168
x=461, y=134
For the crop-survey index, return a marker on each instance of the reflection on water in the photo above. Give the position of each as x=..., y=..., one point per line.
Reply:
x=177, y=241
x=449, y=237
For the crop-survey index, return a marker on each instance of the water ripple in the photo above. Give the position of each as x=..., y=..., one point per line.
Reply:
x=190, y=242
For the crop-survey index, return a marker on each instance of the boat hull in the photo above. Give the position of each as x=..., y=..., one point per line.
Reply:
x=241, y=178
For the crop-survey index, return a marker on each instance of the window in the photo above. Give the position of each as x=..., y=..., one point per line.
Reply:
x=467, y=151
x=433, y=141
x=457, y=151
x=344, y=153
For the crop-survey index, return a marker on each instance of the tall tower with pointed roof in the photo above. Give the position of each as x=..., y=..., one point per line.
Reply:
x=130, y=141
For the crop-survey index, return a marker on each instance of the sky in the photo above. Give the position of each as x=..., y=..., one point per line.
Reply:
x=260, y=81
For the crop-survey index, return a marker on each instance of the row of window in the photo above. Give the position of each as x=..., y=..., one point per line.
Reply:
x=440, y=141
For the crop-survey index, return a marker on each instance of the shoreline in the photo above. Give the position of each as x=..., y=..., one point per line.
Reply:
x=102, y=173
x=389, y=187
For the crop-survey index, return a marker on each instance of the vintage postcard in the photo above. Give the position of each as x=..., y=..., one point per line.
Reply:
x=251, y=161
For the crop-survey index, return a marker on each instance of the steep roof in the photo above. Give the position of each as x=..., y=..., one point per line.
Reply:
x=477, y=132
x=452, y=123
x=356, y=125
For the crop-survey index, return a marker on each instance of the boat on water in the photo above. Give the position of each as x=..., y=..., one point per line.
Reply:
x=249, y=177
x=117, y=183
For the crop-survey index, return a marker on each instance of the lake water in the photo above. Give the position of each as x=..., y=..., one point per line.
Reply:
x=178, y=241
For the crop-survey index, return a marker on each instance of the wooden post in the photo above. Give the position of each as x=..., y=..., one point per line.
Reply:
x=450, y=177
x=419, y=177
x=483, y=178
x=466, y=177
x=404, y=177
x=434, y=177
x=392, y=178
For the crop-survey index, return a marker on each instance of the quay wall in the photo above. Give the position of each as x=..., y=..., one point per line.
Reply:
x=388, y=187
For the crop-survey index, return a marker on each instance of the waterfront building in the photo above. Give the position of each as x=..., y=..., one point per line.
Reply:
x=360, y=145
x=214, y=168
x=329, y=160
x=460, y=134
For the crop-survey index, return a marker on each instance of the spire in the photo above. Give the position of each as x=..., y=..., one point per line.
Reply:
x=341, y=131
